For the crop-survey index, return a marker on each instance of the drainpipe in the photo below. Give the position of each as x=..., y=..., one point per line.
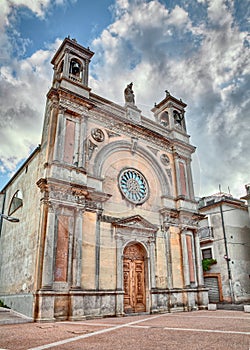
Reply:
x=226, y=256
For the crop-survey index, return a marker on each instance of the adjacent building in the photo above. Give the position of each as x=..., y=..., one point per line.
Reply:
x=108, y=222
x=225, y=237
x=247, y=197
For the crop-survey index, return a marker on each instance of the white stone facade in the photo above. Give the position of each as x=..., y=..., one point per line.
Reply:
x=108, y=211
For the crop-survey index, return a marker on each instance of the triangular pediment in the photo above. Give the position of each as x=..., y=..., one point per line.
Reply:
x=136, y=221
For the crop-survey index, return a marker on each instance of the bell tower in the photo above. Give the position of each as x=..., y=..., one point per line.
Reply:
x=170, y=113
x=71, y=67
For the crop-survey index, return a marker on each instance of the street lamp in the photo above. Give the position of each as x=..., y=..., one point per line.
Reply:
x=9, y=218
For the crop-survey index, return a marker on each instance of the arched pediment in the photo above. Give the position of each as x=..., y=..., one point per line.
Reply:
x=119, y=146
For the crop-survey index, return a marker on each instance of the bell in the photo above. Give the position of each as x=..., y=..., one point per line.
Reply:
x=76, y=68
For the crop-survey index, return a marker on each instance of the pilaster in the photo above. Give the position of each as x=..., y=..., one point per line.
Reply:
x=199, y=268
x=185, y=259
x=77, y=251
x=48, y=259
x=151, y=244
x=97, y=251
x=168, y=259
x=60, y=134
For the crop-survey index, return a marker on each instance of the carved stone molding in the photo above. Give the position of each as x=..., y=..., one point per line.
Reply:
x=189, y=222
x=170, y=218
x=164, y=159
x=153, y=150
x=112, y=134
x=73, y=106
x=91, y=148
x=135, y=228
x=97, y=135
x=134, y=252
x=70, y=194
x=169, y=172
x=134, y=143
x=119, y=127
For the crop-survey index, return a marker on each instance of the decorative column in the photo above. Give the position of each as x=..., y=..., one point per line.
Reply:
x=66, y=63
x=48, y=259
x=82, y=141
x=151, y=276
x=60, y=133
x=50, y=131
x=77, y=251
x=86, y=73
x=199, y=268
x=152, y=262
x=97, y=250
x=190, y=179
x=177, y=173
x=168, y=258
x=119, y=268
x=76, y=143
x=185, y=259
x=119, y=275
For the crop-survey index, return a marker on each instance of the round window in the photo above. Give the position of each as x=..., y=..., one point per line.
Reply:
x=133, y=185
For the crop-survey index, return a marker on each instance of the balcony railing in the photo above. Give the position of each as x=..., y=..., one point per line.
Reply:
x=206, y=233
x=75, y=77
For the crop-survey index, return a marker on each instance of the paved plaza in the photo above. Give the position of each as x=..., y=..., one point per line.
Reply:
x=185, y=331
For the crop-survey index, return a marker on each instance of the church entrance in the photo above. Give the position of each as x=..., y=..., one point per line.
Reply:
x=134, y=279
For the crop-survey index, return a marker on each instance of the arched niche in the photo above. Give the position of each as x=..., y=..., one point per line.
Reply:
x=75, y=68
x=114, y=147
x=164, y=119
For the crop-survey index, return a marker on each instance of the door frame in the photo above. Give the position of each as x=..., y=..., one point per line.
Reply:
x=218, y=276
x=146, y=267
x=135, y=230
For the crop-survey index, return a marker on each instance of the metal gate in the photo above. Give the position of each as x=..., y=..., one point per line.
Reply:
x=213, y=292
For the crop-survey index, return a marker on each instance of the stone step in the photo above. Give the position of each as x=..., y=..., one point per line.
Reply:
x=234, y=307
x=8, y=316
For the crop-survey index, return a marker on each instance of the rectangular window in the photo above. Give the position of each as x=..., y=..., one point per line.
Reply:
x=207, y=253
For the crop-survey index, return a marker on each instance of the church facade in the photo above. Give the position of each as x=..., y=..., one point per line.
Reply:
x=108, y=223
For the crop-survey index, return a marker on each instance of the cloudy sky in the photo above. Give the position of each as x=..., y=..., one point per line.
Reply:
x=196, y=49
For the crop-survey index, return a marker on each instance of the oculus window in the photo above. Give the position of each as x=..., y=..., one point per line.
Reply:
x=133, y=186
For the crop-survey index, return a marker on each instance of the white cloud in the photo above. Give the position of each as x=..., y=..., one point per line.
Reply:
x=178, y=17
x=23, y=87
x=22, y=84
x=156, y=48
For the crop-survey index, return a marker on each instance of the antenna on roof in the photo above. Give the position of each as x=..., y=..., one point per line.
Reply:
x=229, y=190
x=220, y=188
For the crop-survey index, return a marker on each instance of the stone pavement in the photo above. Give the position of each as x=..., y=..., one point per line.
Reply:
x=206, y=330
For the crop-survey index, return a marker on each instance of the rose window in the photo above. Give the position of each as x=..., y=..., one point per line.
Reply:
x=133, y=185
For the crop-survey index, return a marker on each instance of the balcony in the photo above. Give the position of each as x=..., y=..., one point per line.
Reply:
x=206, y=234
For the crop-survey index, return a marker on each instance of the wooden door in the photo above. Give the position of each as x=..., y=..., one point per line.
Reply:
x=134, y=279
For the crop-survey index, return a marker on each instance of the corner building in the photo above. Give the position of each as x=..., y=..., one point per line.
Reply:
x=109, y=207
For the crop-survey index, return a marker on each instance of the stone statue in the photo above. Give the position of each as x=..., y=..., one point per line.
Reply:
x=129, y=94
